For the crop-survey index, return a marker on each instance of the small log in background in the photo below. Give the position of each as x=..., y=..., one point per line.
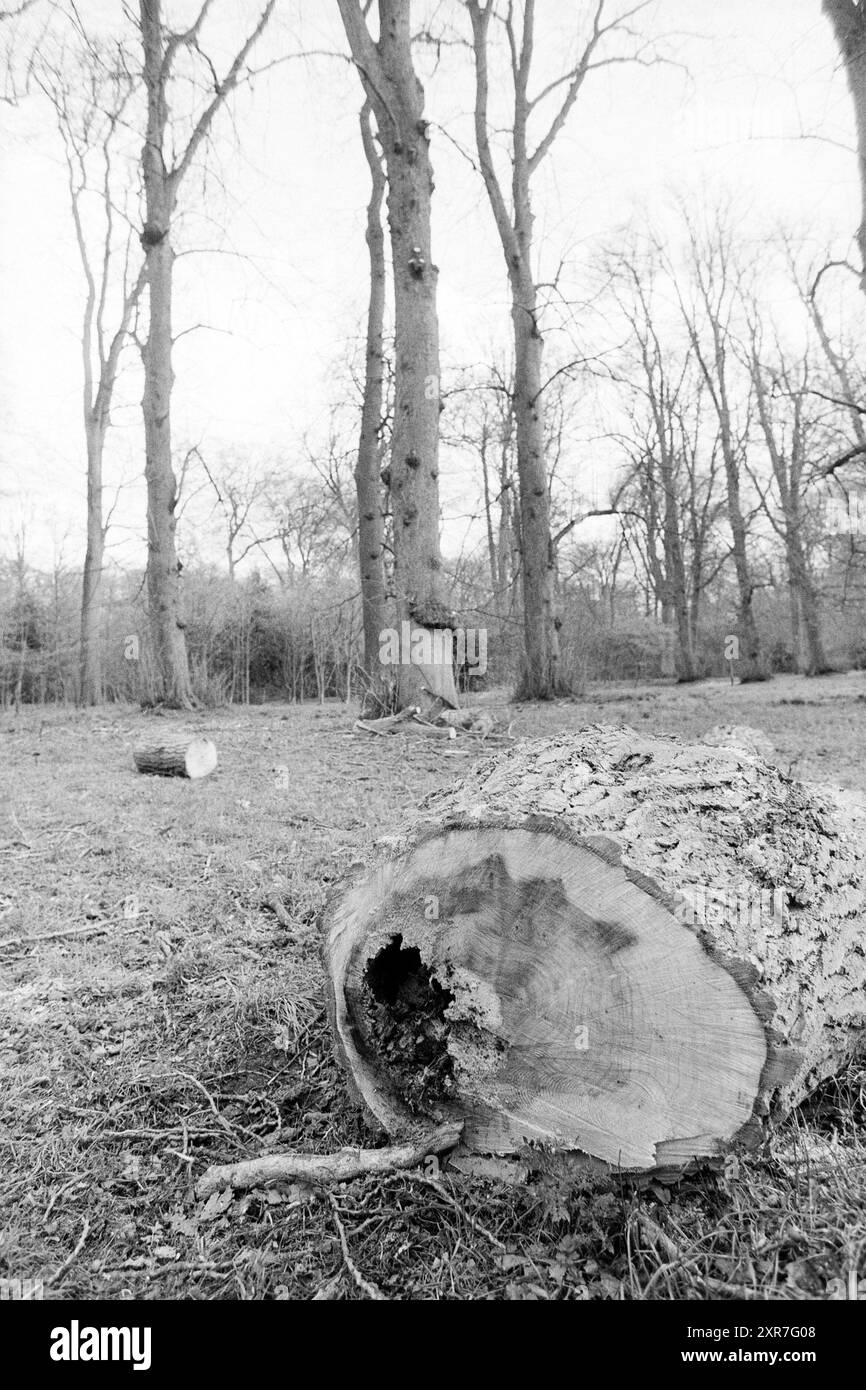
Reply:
x=612, y=944
x=181, y=756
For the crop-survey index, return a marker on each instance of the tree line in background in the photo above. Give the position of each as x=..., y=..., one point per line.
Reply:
x=729, y=537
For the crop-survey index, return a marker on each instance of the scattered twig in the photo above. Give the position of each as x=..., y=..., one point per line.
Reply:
x=272, y=903
x=171, y=1267
x=406, y=721
x=677, y=1260
x=388, y=723
x=70, y=1259
x=233, y=1130
x=57, y=1194
x=470, y=1220
x=88, y=930
x=23, y=840
x=371, y=1290
x=321, y=1170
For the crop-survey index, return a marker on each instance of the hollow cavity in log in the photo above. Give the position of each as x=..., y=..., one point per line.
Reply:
x=405, y=1022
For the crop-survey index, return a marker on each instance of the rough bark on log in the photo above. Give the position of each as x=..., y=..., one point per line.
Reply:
x=177, y=757
x=613, y=944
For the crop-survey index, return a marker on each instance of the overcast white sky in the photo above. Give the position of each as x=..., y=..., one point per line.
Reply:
x=290, y=197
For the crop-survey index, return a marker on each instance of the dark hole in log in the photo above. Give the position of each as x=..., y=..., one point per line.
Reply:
x=407, y=1027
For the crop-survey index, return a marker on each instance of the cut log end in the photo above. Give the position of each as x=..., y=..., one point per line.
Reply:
x=639, y=981
x=182, y=757
x=520, y=981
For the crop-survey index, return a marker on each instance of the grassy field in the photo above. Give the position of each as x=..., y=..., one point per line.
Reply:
x=178, y=1021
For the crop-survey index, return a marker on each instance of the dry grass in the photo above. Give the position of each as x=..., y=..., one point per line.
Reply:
x=141, y=1048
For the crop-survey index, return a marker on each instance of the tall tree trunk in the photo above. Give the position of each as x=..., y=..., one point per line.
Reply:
x=818, y=664
x=414, y=467
x=675, y=569
x=711, y=270
x=813, y=661
x=751, y=657
x=492, y=558
x=796, y=627
x=371, y=529
x=91, y=590
x=656, y=571
x=685, y=664
x=541, y=677
x=163, y=569
x=696, y=587
x=788, y=470
x=161, y=185
x=507, y=543
x=88, y=126
x=397, y=98
x=163, y=566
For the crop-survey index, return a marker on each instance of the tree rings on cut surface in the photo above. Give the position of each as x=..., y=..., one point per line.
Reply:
x=520, y=981
x=605, y=943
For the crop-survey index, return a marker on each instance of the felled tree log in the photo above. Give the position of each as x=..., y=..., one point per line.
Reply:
x=178, y=757
x=616, y=945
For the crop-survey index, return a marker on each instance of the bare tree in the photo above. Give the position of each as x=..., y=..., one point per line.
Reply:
x=845, y=388
x=368, y=484
x=658, y=465
x=514, y=223
x=481, y=426
x=163, y=175
x=789, y=435
x=703, y=508
x=90, y=97
x=848, y=18
x=310, y=527
x=17, y=67
x=709, y=320
x=391, y=86
x=239, y=489
x=668, y=498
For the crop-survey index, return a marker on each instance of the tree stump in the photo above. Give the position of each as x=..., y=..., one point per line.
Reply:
x=177, y=757
x=610, y=944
